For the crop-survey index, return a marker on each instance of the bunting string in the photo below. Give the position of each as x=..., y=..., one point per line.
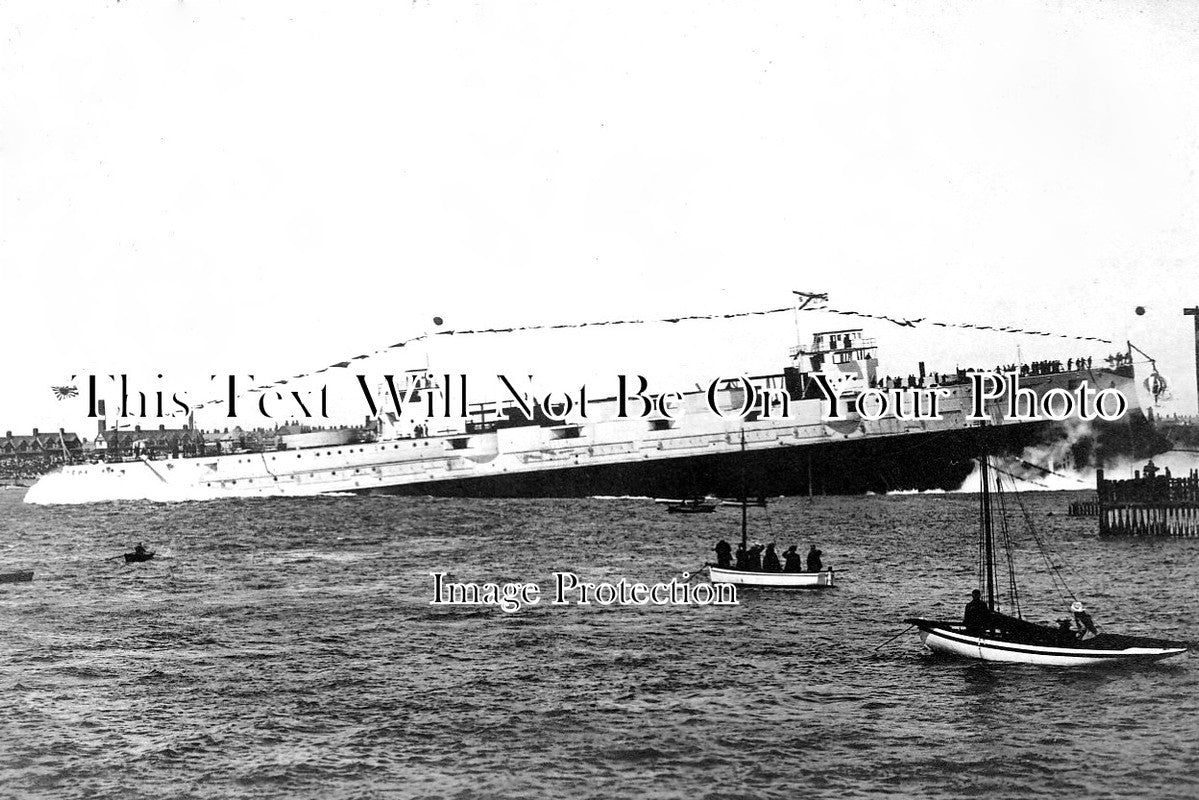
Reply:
x=807, y=302
x=912, y=323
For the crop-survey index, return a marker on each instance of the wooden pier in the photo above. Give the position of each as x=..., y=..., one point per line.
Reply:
x=1149, y=504
x=1083, y=508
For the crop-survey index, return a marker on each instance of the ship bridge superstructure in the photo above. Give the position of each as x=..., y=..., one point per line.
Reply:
x=847, y=359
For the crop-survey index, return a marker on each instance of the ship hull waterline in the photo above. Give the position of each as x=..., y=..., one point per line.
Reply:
x=926, y=461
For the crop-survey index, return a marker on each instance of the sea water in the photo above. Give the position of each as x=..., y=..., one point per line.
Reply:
x=289, y=648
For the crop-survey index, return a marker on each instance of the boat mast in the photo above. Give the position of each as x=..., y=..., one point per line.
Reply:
x=988, y=538
x=744, y=500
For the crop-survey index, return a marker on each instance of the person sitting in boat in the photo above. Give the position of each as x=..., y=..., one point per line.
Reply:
x=978, y=614
x=753, y=561
x=792, y=562
x=1065, y=632
x=742, y=557
x=770, y=561
x=724, y=554
x=139, y=551
x=814, y=562
x=1083, y=620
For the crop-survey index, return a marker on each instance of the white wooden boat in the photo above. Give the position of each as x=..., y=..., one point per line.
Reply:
x=771, y=580
x=759, y=578
x=953, y=639
x=995, y=636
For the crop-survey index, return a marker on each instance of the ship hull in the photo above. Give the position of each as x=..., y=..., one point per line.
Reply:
x=804, y=453
x=911, y=462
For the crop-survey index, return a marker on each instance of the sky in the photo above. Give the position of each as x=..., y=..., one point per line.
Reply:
x=192, y=189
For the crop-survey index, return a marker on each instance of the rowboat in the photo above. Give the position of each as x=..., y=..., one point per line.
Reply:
x=694, y=505
x=134, y=558
x=771, y=580
x=20, y=576
x=816, y=577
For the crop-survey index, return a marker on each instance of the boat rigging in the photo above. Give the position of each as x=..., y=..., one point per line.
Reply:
x=991, y=635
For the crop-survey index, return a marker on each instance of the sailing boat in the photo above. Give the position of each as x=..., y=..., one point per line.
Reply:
x=994, y=636
x=761, y=578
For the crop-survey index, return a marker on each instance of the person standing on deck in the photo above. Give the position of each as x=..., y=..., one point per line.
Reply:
x=724, y=554
x=791, y=560
x=742, y=557
x=978, y=614
x=770, y=561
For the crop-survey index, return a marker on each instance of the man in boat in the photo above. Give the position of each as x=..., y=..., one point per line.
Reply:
x=139, y=551
x=978, y=614
x=792, y=562
x=753, y=561
x=742, y=557
x=1083, y=620
x=770, y=561
x=1065, y=632
x=724, y=554
x=814, y=562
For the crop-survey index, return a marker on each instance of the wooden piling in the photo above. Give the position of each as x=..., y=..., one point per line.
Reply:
x=1147, y=505
x=1083, y=508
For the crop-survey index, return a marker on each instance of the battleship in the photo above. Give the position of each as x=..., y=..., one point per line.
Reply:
x=810, y=450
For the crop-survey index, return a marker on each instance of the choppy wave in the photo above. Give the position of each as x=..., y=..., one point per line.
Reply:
x=288, y=648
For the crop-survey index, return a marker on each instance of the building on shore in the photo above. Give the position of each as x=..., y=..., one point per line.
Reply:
x=24, y=457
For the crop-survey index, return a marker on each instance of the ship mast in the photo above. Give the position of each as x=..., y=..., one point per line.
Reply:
x=1194, y=312
x=744, y=500
x=987, y=532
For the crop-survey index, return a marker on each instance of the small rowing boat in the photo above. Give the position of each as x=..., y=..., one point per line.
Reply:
x=135, y=558
x=772, y=577
x=771, y=580
x=20, y=576
x=692, y=505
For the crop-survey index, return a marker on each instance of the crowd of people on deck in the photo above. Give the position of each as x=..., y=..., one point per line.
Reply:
x=1119, y=359
x=1048, y=367
x=759, y=558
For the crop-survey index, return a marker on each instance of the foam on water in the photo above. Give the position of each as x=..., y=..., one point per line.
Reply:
x=287, y=648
